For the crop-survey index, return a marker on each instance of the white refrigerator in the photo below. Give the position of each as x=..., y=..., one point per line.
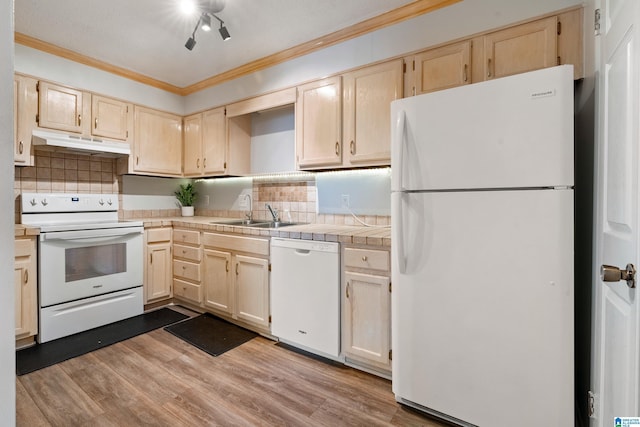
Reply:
x=482, y=251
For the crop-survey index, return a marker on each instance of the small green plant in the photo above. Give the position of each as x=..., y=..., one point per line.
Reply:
x=186, y=194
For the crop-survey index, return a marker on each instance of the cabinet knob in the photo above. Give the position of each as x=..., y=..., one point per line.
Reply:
x=20, y=147
x=79, y=119
x=488, y=67
x=347, y=289
x=26, y=276
x=95, y=123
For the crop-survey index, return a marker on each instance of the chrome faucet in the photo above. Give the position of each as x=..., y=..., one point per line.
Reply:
x=249, y=213
x=274, y=213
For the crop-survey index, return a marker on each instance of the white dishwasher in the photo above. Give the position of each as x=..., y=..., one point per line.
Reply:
x=305, y=295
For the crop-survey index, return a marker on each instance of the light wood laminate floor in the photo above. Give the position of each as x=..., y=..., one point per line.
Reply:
x=158, y=379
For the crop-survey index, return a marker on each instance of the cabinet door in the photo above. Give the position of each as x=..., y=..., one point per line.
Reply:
x=443, y=68
x=60, y=107
x=366, y=318
x=522, y=48
x=25, y=111
x=158, y=278
x=252, y=289
x=24, y=278
x=157, y=142
x=110, y=118
x=214, y=142
x=319, y=124
x=367, y=96
x=217, y=281
x=193, y=145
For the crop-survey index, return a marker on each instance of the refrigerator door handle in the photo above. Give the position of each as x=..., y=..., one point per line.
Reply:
x=396, y=181
x=399, y=234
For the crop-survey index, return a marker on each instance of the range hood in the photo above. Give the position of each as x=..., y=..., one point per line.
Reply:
x=98, y=147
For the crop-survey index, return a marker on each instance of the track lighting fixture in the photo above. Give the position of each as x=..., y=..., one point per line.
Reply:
x=204, y=22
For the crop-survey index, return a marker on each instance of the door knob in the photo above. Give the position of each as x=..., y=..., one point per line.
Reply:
x=609, y=273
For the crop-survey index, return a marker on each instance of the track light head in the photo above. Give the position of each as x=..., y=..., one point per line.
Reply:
x=224, y=32
x=190, y=43
x=206, y=22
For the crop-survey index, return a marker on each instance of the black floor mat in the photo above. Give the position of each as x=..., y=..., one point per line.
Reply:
x=211, y=334
x=42, y=355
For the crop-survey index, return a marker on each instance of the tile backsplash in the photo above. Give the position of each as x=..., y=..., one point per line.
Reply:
x=64, y=173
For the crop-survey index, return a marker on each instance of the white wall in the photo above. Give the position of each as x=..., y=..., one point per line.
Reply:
x=7, y=310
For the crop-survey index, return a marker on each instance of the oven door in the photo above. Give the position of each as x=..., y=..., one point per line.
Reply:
x=80, y=264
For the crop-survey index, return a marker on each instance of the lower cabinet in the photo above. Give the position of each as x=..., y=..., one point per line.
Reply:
x=26, y=291
x=187, y=257
x=366, y=309
x=236, y=277
x=157, y=272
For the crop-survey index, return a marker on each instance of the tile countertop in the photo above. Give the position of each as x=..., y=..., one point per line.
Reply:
x=24, y=231
x=350, y=234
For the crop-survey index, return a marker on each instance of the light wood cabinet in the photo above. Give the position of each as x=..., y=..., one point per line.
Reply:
x=157, y=147
x=157, y=272
x=62, y=108
x=522, y=48
x=441, y=68
x=110, y=117
x=205, y=142
x=26, y=292
x=319, y=124
x=367, y=96
x=25, y=107
x=366, y=309
x=187, y=259
x=236, y=278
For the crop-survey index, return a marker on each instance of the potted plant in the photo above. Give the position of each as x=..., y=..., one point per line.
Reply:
x=186, y=195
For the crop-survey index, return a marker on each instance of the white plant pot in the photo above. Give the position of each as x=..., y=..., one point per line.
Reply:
x=187, y=210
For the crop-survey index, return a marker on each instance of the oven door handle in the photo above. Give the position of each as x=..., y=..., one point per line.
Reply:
x=94, y=235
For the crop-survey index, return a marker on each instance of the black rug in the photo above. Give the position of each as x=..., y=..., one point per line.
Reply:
x=211, y=334
x=42, y=355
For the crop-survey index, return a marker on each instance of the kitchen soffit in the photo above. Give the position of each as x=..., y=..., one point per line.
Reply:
x=144, y=40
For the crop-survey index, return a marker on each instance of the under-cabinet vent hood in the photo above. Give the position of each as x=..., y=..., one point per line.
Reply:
x=74, y=144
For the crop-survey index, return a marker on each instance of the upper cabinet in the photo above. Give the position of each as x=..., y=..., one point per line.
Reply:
x=319, y=124
x=157, y=148
x=205, y=142
x=522, y=48
x=441, y=68
x=110, y=118
x=25, y=105
x=62, y=108
x=367, y=96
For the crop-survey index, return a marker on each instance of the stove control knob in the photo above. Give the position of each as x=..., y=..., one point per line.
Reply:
x=33, y=202
x=44, y=202
x=109, y=202
x=101, y=202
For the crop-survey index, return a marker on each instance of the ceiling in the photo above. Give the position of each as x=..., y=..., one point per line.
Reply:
x=147, y=37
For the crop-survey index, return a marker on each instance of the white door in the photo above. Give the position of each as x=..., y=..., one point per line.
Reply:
x=615, y=352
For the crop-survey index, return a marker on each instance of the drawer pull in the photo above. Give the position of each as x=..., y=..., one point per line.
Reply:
x=26, y=276
x=337, y=148
x=226, y=267
x=95, y=123
x=237, y=270
x=151, y=260
x=79, y=120
x=20, y=147
x=364, y=258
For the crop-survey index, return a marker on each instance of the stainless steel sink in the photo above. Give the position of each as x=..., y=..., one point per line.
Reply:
x=272, y=224
x=245, y=222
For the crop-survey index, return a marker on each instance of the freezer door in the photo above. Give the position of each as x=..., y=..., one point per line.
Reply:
x=482, y=305
x=513, y=132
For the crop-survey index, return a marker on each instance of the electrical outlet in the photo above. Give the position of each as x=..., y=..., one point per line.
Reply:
x=345, y=200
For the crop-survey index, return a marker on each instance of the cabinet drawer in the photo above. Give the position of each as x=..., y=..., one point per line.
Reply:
x=187, y=252
x=186, y=236
x=237, y=243
x=155, y=235
x=186, y=290
x=24, y=247
x=187, y=270
x=366, y=258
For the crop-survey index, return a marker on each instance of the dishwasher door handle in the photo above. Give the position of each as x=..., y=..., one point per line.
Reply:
x=303, y=251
